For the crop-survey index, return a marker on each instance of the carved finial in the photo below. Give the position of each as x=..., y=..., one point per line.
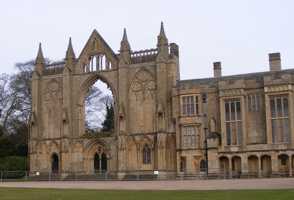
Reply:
x=40, y=58
x=70, y=54
x=162, y=44
x=125, y=37
x=162, y=39
x=162, y=33
x=40, y=61
x=125, y=45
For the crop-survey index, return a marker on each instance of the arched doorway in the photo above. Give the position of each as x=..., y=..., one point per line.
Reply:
x=284, y=164
x=266, y=166
x=202, y=166
x=96, y=162
x=146, y=155
x=224, y=166
x=103, y=162
x=253, y=166
x=236, y=167
x=54, y=163
x=100, y=163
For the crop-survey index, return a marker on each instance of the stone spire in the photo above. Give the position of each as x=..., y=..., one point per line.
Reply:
x=70, y=54
x=40, y=58
x=125, y=49
x=162, y=44
x=162, y=33
x=40, y=61
x=162, y=39
x=124, y=44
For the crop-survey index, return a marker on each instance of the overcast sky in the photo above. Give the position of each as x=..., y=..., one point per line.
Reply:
x=240, y=33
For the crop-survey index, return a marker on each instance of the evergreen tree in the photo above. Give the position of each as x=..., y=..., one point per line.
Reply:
x=108, y=123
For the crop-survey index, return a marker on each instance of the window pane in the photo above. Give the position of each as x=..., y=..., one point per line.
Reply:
x=279, y=130
x=253, y=97
x=191, y=105
x=257, y=102
x=249, y=102
x=227, y=108
x=238, y=108
x=233, y=111
x=228, y=131
x=286, y=131
x=233, y=133
x=285, y=104
x=184, y=103
x=273, y=108
x=279, y=107
x=239, y=131
x=274, y=131
x=197, y=108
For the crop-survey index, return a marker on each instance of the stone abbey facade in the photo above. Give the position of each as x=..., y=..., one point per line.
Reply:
x=242, y=124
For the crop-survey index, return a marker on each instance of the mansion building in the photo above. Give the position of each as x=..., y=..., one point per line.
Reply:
x=233, y=126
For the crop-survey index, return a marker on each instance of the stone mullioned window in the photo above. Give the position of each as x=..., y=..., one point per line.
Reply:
x=280, y=118
x=233, y=121
x=189, y=137
x=190, y=105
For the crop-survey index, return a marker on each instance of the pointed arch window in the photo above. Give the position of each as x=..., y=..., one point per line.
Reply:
x=146, y=154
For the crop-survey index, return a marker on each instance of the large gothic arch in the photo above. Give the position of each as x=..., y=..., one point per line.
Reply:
x=139, y=80
x=109, y=78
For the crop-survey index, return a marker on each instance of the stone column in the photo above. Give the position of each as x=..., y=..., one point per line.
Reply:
x=268, y=120
x=291, y=116
x=244, y=164
x=230, y=167
x=290, y=165
x=275, y=163
x=223, y=130
x=259, y=167
x=244, y=122
x=161, y=151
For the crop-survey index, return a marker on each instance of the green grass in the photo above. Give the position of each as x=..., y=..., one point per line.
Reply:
x=70, y=194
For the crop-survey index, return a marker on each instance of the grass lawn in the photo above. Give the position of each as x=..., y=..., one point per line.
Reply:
x=69, y=194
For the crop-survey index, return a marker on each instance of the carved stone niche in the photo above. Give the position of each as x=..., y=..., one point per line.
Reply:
x=64, y=115
x=161, y=117
x=33, y=118
x=213, y=140
x=121, y=118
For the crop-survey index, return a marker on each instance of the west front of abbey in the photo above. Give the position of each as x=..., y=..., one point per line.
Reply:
x=237, y=125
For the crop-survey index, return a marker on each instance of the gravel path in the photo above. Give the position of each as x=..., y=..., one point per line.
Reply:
x=236, y=184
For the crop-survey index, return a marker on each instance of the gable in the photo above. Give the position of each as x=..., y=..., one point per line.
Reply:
x=96, y=45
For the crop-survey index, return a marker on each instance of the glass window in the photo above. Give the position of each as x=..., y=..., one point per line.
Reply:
x=146, y=154
x=183, y=164
x=190, y=105
x=189, y=137
x=280, y=118
x=253, y=102
x=233, y=121
x=227, y=107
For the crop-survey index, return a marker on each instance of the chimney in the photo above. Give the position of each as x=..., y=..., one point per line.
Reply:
x=275, y=61
x=217, y=69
